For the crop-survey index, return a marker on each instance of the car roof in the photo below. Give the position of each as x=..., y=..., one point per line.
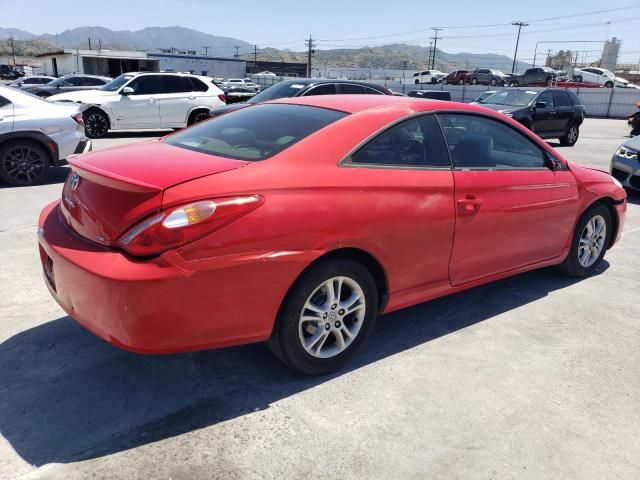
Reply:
x=88, y=75
x=317, y=81
x=357, y=103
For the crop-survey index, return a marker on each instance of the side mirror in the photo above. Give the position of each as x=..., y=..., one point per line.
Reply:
x=126, y=91
x=541, y=105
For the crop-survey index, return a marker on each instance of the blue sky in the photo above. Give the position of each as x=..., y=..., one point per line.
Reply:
x=286, y=23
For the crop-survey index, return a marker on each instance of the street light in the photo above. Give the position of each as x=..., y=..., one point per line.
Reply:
x=515, y=55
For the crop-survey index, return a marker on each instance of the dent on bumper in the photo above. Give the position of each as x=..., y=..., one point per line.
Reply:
x=163, y=305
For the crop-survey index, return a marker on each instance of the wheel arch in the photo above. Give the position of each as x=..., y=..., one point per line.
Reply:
x=101, y=110
x=608, y=202
x=199, y=108
x=48, y=144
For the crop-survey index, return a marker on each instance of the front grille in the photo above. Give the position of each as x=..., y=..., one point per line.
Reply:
x=619, y=174
x=634, y=181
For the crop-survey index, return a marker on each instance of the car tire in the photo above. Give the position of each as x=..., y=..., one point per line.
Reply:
x=461, y=82
x=493, y=82
x=578, y=263
x=608, y=85
x=514, y=84
x=197, y=117
x=570, y=138
x=445, y=82
x=549, y=81
x=578, y=78
x=294, y=339
x=474, y=81
x=417, y=82
x=96, y=123
x=23, y=163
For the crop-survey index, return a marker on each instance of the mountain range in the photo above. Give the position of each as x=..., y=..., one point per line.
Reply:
x=394, y=56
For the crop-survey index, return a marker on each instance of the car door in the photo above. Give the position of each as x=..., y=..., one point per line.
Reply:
x=6, y=115
x=564, y=110
x=408, y=168
x=544, y=119
x=140, y=108
x=175, y=101
x=504, y=186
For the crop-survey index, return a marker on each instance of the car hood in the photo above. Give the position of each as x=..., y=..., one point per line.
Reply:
x=633, y=143
x=82, y=96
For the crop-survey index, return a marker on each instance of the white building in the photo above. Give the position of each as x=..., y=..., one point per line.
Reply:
x=110, y=63
x=200, y=64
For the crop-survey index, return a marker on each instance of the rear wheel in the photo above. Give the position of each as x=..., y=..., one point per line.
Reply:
x=589, y=244
x=609, y=85
x=197, y=116
x=96, y=123
x=445, y=82
x=474, y=81
x=326, y=318
x=493, y=82
x=461, y=82
x=578, y=78
x=570, y=138
x=23, y=163
x=513, y=84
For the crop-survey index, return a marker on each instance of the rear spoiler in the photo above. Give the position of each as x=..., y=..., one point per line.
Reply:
x=109, y=179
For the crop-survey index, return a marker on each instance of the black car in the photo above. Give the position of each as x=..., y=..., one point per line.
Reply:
x=301, y=87
x=431, y=94
x=68, y=83
x=533, y=76
x=549, y=113
x=9, y=72
x=239, y=94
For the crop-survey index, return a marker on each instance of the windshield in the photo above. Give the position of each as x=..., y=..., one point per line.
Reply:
x=255, y=133
x=117, y=82
x=279, y=90
x=516, y=98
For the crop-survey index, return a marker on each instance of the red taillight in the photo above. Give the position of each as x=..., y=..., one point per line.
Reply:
x=222, y=97
x=178, y=226
x=78, y=118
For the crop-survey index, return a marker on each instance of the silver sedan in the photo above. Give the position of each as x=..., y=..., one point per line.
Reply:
x=625, y=164
x=36, y=134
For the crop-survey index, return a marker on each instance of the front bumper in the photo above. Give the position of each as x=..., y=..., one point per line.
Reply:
x=161, y=305
x=626, y=171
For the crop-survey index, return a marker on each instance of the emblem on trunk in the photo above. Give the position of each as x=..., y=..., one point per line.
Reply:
x=75, y=180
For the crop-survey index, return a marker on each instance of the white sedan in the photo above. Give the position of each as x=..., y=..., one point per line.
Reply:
x=601, y=76
x=35, y=135
x=146, y=101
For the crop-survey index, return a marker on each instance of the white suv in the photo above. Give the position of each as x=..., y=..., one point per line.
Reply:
x=146, y=100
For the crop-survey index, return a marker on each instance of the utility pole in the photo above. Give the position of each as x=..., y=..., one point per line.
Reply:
x=237, y=47
x=309, y=54
x=548, y=62
x=435, y=46
x=430, y=54
x=206, y=50
x=255, y=55
x=515, y=55
x=89, y=43
x=13, y=50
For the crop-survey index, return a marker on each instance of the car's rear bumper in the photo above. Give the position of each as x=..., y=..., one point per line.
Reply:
x=162, y=305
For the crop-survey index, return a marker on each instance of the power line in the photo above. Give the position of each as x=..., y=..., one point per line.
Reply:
x=515, y=54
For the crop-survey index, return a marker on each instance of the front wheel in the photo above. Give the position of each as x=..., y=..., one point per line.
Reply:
x=570, y=138
x=96, y=124
x=609, y=85
x=23, y=163
x=493, y=82
x=445, y=82
x=474, y=81
x=589, y=244
x=578, y=79
x=327, y=316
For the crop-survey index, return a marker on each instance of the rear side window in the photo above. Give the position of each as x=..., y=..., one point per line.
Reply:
x=484, y=143
x=175, y=84
x=93, y=82
x=324, y=89
x=75, y=81
x=4, y=102
x=416, y=142
x=255, y=133
x=197, y=85
x=146, y=85
x=372, y=91
x=574, y=99
x=561, y=99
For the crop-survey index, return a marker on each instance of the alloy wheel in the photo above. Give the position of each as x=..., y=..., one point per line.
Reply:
x=24, y=165
x=591, y=242
x=96, y=125
x=200, y=116
x=572, y=135
x=332, y=317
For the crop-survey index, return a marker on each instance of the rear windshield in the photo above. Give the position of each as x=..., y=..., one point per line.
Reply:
x=255, y=133
x=279, y=90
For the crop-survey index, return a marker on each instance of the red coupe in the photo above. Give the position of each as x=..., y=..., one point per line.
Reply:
x=300, y=220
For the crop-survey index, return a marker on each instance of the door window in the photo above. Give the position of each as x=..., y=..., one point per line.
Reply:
x=146, y=85
x=546, y=97
x=372, y=91
x=324, y=89
x=346, y=88
x=92, y=82
x=484, y=143
x=416, y=142
x=74, y=81
x=561, y=99
x=197, y=85
x=175, y=84
x=4, y=102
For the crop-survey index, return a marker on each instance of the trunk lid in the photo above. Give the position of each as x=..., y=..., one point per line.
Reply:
x=110, y=190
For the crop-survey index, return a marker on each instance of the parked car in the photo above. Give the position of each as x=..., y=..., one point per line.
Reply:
x=459, y=77
x=68, y=83
x=146, y=100
x=235, y=82
x=9, y=72
x=427, y=76
x=252, y=85
x=625, y=164
x=35, y=80
x=431, y=94
x=266, y=231
x=533, y=76
x=484, y=95
x=302, y=87
x=35, y=135
x=550, y=113
x=238, y=94
x=601, y=76
x=265, y=74
x=487, y=76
